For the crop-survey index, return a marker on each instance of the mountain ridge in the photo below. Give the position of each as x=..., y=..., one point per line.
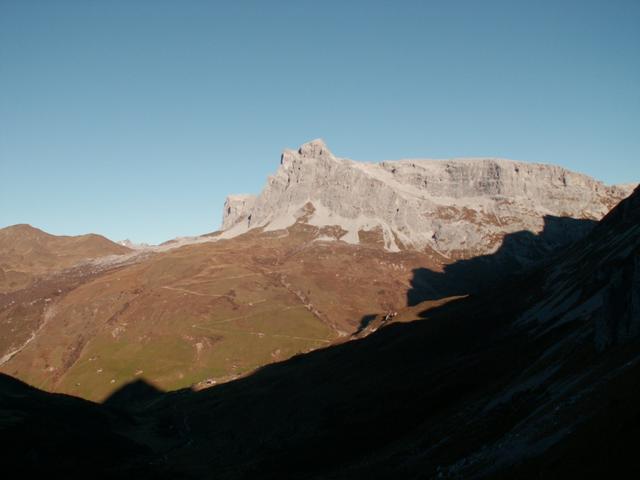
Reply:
x=27, y=252
x=459, y=208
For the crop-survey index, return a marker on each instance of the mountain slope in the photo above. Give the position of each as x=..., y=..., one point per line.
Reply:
x=519, y=383
x=220, y=309
x=213, y=311
x=43, y=434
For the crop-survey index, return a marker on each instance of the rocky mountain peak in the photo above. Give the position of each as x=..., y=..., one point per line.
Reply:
x=315, y=149
x=456, y=207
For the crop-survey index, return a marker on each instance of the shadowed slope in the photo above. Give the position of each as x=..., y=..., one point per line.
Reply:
x=519, y=252
x=53, y=434
x=514, y=384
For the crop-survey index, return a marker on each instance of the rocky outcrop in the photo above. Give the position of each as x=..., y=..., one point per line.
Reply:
x=458, y=207
x=236, y=208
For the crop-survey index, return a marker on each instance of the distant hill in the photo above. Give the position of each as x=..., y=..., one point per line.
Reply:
x=26, y=252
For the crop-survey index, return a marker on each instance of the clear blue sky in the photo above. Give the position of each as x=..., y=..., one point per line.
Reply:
x=136, y=118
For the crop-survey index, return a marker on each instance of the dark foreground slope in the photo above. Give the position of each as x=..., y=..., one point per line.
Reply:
x=58, y=435
x=539, y=380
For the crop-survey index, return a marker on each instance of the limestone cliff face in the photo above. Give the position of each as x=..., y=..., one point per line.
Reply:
x=235, y=208
x=458, y=207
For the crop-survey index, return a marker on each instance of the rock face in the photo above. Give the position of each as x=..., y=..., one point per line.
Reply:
x=458, y=208
x=235, y=208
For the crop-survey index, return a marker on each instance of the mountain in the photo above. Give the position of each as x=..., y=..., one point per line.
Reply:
x=27, y=252
x=458, y=208
x=205, y=310
x=536, y=378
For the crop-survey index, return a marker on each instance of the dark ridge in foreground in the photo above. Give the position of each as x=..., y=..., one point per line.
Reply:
x=540, y=379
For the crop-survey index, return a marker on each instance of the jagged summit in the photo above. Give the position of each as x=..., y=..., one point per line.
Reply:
x=315, y=149
x=456, y=207
x=238, y=206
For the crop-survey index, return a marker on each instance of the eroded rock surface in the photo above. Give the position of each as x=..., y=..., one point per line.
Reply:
x=459, y=207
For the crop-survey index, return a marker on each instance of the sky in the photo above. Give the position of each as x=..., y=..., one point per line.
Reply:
x=134, y=119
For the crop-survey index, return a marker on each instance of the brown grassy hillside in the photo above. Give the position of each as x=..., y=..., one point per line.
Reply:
x=27, y=252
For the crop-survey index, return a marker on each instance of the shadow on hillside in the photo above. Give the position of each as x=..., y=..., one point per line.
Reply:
x=518, y=252
x=133, y=394
x=364, y=322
